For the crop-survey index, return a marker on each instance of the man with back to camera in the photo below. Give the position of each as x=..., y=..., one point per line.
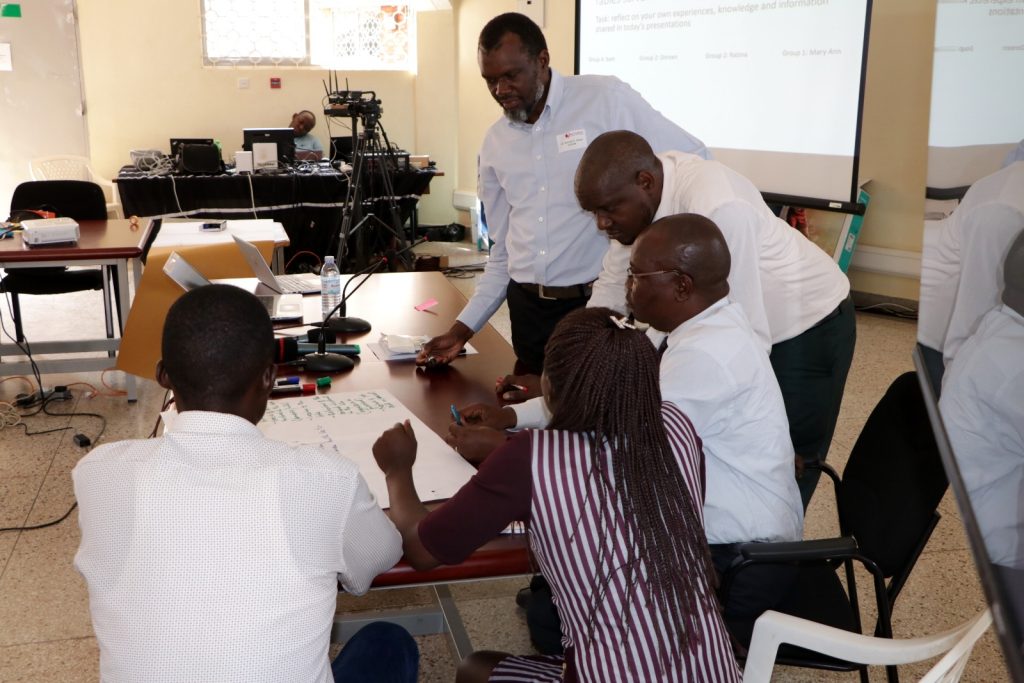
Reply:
x=960, y=263
x=213, y=553
x=982, y=406
x=307, y=147
x=546, y=251
x=794, y=295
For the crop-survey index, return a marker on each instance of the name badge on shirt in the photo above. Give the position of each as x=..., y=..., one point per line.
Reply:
x=573, y=139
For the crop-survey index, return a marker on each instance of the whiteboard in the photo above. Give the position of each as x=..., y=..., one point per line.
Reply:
x=348, y=423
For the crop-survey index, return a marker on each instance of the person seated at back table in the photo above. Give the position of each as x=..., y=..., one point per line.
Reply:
x=213, y=553
x=307, y=147
x=612, y=496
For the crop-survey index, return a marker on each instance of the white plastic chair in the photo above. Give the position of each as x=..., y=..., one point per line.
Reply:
x=69, y=167
x=775, y=628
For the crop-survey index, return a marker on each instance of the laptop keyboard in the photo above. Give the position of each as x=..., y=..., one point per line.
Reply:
x=295, y=283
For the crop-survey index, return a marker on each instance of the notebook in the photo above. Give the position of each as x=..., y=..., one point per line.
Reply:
x=280, y=307
x=306, y=283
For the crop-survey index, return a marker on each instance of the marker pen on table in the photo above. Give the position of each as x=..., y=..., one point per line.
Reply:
x=283, y=381
x=280, y=389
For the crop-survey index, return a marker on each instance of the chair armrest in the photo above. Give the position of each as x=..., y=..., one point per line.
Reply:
x=824, y=468
x=774, y=628
x=794, y=551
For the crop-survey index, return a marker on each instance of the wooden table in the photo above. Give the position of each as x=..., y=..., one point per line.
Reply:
x=111, y=244
x=387, y=301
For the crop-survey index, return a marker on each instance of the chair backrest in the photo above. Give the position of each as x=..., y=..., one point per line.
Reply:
x=71, y=198
x=893, y=481
x=61, y=168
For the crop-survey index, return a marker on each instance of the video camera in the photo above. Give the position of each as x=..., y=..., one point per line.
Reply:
x=355, y=103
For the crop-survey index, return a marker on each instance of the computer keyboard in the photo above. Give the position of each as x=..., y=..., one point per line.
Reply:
x=297, y=283
x=51, y=223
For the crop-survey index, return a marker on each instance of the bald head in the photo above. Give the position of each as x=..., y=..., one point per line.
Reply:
x=612, y=160
x=694, y=245
x=1013, y=275
x=690, y=252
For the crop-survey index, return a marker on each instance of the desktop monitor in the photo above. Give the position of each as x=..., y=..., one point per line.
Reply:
x=1003, y=586
x=178, y=143
x=257, y=141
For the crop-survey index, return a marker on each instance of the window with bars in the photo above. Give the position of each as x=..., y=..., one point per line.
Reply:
x=332, y=34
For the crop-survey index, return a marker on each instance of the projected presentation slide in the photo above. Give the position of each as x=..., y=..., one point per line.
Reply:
x=977, y=110
x=761, y=83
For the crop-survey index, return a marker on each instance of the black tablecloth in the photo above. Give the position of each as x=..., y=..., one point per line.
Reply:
x=308, y=205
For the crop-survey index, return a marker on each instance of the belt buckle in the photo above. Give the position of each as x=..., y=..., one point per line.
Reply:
x=540, y=293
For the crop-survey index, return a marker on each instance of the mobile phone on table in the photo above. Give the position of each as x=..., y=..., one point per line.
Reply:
x=212, y=226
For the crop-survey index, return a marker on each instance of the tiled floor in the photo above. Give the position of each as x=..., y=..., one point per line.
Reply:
x=45, y=631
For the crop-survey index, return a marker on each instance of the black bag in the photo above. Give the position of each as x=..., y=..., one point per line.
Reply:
x=200, y=159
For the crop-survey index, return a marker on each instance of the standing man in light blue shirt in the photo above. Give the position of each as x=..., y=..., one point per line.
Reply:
x=547, y=251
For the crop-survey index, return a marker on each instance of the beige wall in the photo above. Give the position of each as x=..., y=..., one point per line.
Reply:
x=894, y=139
x=145, y=83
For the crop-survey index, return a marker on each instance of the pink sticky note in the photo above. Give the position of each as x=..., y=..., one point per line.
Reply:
x=429, y=303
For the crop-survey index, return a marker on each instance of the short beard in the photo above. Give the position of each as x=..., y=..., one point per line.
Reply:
x=523, y=113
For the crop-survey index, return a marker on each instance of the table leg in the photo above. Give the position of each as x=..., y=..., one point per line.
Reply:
x=125, y=300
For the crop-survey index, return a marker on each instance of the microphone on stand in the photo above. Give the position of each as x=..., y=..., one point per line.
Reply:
x=322, y=361
x=348, y=325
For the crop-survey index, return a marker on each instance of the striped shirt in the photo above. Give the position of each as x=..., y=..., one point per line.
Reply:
x=545, y=477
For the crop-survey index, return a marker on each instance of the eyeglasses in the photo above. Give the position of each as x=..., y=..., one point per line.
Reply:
x=636, y=276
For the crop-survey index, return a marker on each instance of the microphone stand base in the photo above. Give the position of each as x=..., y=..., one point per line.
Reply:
x=347, y=325
x=328, y=362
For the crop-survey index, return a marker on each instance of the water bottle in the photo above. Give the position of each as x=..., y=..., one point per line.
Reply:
x=330, y=287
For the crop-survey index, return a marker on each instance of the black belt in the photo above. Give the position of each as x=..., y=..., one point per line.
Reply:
x=831, y=315
x=545, y=292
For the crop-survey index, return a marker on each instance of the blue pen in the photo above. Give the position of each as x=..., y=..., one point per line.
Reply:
x=285, y=381
x=456, y=416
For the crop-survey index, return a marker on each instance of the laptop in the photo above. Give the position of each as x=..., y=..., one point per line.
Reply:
x=1003, y=586
x=280, y=307
x=304, y=283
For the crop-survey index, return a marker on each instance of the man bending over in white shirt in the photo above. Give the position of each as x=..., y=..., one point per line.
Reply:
x=213, y=553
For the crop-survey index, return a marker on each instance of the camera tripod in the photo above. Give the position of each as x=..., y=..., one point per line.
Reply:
x=372, y=164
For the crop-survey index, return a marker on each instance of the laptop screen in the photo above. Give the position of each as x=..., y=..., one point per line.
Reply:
x=1003, y=586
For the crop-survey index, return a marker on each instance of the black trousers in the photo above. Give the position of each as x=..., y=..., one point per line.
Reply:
x=811, y=369
x=533, y=320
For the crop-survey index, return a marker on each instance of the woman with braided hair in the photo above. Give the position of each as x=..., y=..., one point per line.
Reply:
x=612, y=494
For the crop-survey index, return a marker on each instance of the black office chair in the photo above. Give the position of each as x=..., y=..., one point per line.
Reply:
x=76, y=199
x=887, y=502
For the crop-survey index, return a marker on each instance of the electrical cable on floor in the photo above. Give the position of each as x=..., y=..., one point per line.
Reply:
x=92, y=444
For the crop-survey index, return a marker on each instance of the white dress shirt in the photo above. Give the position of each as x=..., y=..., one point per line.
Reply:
x=715, y=371
x=962, y=261
x=214, y=554
x=785, y=283
x=526, y=174
x=982, y=406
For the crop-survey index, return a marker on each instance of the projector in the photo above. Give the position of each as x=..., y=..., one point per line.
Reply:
x=42, y=231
